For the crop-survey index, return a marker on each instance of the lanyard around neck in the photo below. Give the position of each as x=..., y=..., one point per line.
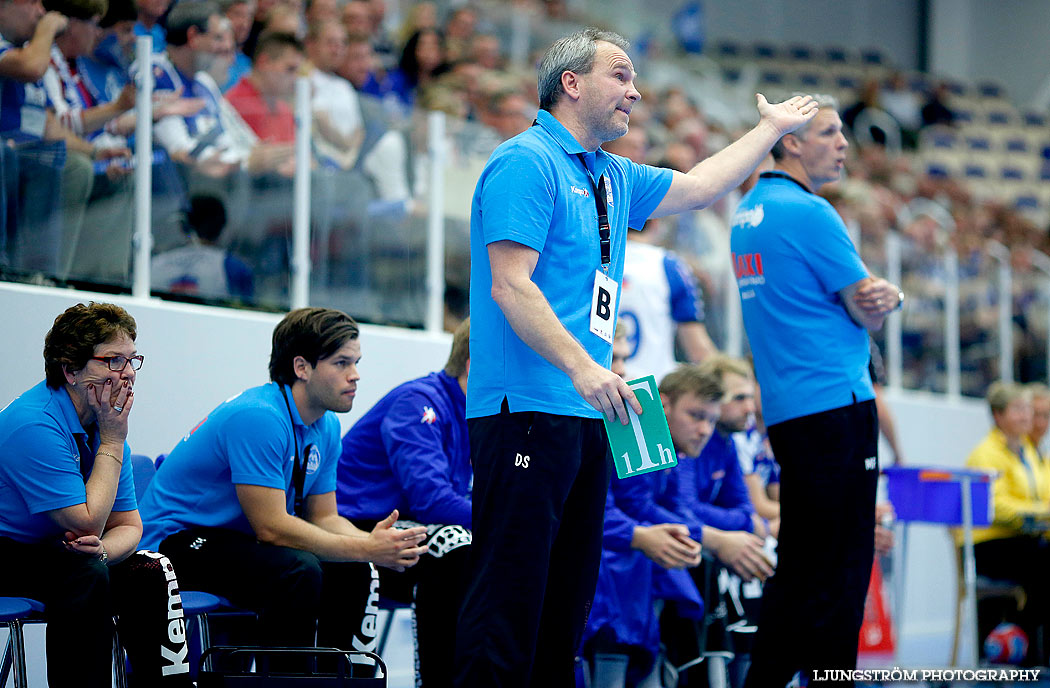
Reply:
x=604, y=231
x=299, y=470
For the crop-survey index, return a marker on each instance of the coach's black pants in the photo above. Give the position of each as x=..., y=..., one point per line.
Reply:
x=434, y=588
x=81, y=595
x=540, y=482
x=301, y=601
x=813, y=606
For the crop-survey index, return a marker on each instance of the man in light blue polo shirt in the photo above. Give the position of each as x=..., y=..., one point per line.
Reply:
x=245, y=503
x=548, y=228
x=808, y=304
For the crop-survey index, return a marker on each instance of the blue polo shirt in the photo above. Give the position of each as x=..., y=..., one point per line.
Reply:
x=411, y=452
x=247, y=440
x=535, y=190
x=40, y=464
x=23, y=106
x=792, y=254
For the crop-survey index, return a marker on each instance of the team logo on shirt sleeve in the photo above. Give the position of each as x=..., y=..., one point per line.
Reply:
x=428, y=416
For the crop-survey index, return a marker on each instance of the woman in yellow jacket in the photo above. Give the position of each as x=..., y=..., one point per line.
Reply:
x=1014, y=547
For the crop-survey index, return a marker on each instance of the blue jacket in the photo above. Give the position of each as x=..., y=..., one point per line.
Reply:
x=712, y=486
x=410, y=452
x=628, y=581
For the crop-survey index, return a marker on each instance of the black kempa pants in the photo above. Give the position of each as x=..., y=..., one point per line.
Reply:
x=813, y=606
x=301, y=601
x=434, y=588
x=81, y=595
x=540, y=482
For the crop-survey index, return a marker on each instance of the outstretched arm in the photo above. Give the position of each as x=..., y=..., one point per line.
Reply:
x=727, y=169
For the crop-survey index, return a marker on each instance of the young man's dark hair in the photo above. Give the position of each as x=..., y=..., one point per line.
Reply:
x=71, y=341
x=313, y=333
x=206, y=217
x=187, y=15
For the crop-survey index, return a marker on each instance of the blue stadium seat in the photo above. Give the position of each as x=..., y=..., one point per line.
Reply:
x=999, y=117
x=802, y=53
x=13, y=611
x=977, y=142
x=1012, y=173
x=1016, y=144
x=765, y=51
x=836, y=54
x=1026, y=202
x=975, y=171
x=728, y=49
x=872, y=56
x=811, y=79
x=1034, y=119
x=989, y=89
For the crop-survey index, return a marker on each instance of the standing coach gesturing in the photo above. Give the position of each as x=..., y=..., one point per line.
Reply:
x=548, y=227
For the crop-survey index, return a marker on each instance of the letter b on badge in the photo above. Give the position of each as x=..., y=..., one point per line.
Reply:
x=603, y=306
x=604, y=300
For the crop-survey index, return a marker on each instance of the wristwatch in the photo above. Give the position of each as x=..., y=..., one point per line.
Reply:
x=103, y=556
x=900, y=300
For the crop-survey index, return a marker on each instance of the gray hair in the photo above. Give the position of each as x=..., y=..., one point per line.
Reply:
x=574, y=53
x=824, y=101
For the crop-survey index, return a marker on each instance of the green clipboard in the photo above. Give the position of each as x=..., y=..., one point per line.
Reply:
x=644, y=445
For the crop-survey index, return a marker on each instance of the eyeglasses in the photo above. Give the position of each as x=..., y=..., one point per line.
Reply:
x=118, y=363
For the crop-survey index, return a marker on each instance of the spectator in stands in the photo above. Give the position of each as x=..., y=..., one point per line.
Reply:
x=240, y=13
x=105, y=71
x=422, y=61
x=76, y=107
x=316, y=11
x=904, y=105
x=647, y=523
x=936, y=110
x=149, y=15
x=357, y=19
x=410, y=453
x=202, y=267
x=69, y=523
x=359, y=64
x=1040, y=415
x=215, y=141
x=1013, y=547
x=344, y=139
x=244, y=505
x=507, y=113
x=486, y=52
x=263, y=97
x=459, y=33
x=40, y=153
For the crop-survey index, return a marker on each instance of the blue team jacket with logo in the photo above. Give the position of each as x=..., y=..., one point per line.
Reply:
x=409, y=452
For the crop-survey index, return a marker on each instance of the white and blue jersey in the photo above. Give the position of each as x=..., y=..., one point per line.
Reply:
x=247, y=440
x=659, y=291
x=411, y=452
x=791, y=262
x=23, y=106
x=40, y=464
x=756, y=456
x=537, y=189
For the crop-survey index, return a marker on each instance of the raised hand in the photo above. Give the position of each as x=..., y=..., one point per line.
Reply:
x=111, y=404
x=788, y=116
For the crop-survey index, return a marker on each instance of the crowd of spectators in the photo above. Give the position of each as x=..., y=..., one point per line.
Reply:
x=224, y=126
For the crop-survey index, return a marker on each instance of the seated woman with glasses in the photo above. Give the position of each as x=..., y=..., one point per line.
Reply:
x=69, y=522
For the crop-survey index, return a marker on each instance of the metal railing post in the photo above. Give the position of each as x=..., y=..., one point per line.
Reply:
x=300, y=266
x=142, y=238
x=894, y=329
x=1006, y=307
x=435, y=315
x=952, y=357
